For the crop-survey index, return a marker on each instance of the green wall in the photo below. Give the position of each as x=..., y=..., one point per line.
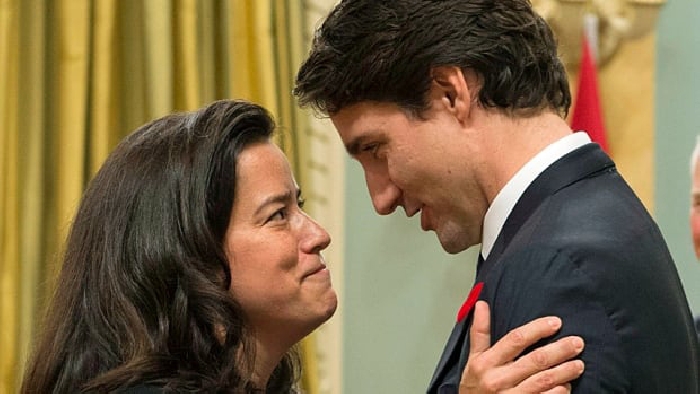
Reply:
x=402, y=293
x=677, y=113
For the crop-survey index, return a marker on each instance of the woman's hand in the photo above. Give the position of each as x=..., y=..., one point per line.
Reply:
x=548, y=369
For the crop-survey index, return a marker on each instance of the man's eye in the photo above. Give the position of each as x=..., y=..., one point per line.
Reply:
x=370, y=148
x=301, y=202
x=696, y=201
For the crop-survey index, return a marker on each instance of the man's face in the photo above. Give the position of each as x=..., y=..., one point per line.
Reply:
x=421, y=164
x=695, y=208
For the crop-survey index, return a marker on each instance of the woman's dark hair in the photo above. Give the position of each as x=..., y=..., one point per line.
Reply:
x=143, y=294
x=384, y=50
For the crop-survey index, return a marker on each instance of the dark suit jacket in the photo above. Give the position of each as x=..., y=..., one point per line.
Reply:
x=580, y=245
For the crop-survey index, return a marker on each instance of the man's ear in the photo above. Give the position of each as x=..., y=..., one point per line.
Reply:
x=453, y=90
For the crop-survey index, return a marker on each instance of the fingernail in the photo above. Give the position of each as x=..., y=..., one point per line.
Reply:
x=580, y=366
x=578, y=343
x=554, y=322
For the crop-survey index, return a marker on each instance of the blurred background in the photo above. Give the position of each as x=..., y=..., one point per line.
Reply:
x=76, y=76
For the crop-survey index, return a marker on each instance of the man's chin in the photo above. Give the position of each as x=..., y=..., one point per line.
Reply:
x=452, y=246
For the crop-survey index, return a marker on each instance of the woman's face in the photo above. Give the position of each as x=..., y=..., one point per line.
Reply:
x=274, y=249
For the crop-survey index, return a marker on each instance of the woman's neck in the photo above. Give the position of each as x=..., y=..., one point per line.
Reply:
x=267, y=357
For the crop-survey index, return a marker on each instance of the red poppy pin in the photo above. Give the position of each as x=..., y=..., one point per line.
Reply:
x=470, y=302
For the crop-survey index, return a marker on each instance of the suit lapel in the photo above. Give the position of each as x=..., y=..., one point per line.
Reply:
x=459, y=335
x=451, y=351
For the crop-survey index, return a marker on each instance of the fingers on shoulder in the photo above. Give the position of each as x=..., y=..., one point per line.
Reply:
x=518, y=339
x=553, y=380
x=552, y=354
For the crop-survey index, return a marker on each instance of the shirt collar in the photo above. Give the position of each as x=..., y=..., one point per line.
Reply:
x=505, y=200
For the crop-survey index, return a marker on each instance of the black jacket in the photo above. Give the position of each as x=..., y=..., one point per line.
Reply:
x=580, y=245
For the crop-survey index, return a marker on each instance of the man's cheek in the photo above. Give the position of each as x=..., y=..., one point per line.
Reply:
x=695, y=229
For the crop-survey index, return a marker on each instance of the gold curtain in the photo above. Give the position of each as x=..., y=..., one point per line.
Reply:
x=78, y=75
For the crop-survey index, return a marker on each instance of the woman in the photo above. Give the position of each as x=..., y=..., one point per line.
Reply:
x=184, y=268
x=190, y=266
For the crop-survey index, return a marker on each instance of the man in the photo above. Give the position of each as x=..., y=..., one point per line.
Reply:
x=695, y=198
x=695, y=208
x=455, y=110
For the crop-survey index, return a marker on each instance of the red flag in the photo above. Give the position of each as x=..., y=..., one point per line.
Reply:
x=587, y=114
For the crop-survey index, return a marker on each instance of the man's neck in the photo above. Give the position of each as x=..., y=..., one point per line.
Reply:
x=512, y=142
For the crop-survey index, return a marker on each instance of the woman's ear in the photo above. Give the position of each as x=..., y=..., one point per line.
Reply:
x=452, y=90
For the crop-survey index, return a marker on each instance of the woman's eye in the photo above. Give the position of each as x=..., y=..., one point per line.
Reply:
x=280, y=214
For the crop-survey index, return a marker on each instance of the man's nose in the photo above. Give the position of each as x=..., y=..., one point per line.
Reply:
x=384, y=193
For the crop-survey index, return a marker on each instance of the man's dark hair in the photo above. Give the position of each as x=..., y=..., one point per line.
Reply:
x=384, y=50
